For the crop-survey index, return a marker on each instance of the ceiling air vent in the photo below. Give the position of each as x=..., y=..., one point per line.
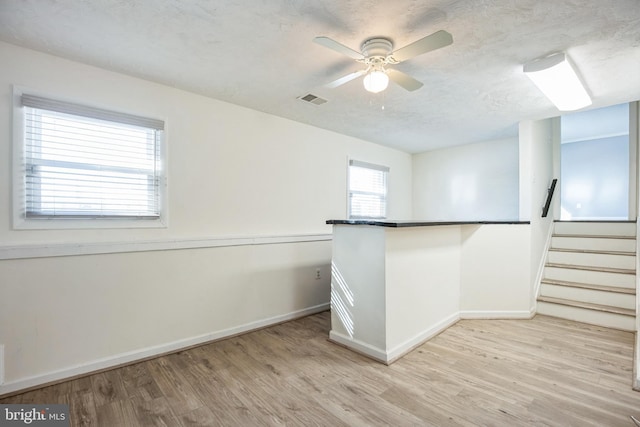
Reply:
x=316, y=100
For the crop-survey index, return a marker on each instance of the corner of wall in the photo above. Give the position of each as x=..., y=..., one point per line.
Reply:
x=634, y=142
x=636, y=352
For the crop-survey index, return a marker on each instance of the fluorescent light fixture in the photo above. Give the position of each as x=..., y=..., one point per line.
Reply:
x=376, y=81
x=557, y=79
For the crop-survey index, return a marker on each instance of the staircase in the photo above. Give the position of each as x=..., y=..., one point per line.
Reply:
x=590, y=274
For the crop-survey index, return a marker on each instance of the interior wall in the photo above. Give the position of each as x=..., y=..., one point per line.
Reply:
x=359, y=292
x=466, y=183
x=495, y=267
x=539, y=141
x=595, y=179
x=243, y=186
x=423, y=284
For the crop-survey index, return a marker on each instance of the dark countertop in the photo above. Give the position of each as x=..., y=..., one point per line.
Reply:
x=414, y=223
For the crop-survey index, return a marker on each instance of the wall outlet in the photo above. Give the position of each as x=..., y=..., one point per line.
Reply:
x=318, y=277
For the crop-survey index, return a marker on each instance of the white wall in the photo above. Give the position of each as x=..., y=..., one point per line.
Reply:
x=358, y=294
x=232, y=172
x=470, y=182
x=422, y=284
x=539, y=146
x=495, y=280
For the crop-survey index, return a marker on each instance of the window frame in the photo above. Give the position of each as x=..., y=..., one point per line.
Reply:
x=371, y=166
x=18, y=186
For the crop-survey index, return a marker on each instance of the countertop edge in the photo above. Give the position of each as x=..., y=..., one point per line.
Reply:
x=400, y=224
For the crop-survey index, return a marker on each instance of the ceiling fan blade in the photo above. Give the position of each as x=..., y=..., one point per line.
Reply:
x=426, y=44
x=345, y=79
x=338, y=47
x=404, y=80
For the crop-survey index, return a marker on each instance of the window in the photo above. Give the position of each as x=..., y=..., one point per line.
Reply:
x=79, y=162
x=367, y=190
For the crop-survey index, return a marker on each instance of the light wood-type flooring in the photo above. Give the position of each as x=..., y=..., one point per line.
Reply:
x=537, y=372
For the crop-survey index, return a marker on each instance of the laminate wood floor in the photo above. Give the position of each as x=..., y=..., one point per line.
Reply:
x=541, y=372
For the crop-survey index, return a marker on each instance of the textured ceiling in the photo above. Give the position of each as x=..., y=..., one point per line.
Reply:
x=260, y=54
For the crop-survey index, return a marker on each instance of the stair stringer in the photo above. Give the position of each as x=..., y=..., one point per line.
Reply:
x=540, y=274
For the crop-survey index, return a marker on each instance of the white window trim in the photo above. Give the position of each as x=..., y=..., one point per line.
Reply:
x=20, y=222
x=353, y=162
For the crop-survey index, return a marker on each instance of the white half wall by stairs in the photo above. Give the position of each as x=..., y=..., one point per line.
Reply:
x=590, y=274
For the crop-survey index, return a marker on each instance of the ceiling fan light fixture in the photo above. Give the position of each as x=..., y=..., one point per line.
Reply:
x=559, y=82
x=376, y=81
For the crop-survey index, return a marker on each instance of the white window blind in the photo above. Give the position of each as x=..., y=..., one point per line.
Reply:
x=84, y=162
x=367, y=190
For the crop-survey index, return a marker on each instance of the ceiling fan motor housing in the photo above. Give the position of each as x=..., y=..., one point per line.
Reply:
x=377, y=47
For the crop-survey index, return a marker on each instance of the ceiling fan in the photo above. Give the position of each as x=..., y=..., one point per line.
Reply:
x=377, y=54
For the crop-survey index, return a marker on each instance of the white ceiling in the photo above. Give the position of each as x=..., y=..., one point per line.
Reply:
x=260, y=54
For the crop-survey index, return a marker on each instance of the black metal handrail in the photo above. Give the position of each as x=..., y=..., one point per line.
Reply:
x=545, y=209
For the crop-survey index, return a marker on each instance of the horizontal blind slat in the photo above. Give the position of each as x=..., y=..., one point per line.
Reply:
x=74, y=168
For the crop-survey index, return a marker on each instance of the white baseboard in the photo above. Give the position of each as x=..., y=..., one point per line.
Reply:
x=404, y=348
x=390, y=356
x=149, y=352
x=497, y=314
x=358, y=346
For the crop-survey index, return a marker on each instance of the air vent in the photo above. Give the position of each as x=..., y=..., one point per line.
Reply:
x=316, y=100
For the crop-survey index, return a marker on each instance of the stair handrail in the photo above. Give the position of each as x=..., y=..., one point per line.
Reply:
x=545, y=209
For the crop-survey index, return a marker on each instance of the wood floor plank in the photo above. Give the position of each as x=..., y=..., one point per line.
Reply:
x=82, y=409
x=153, y=413
x=278, y=411
x=178, y=391
x=107, y=387
x=294, y=406
x=50, y=394
x=139, y=382
x=218, y=392
x=431, y=414
x=81, y=385
x=115, y=413
x=538, y=372
x=201, y=417
x=334, y=398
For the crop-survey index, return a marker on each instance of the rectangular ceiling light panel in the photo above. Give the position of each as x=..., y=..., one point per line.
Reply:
x=557, y=79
